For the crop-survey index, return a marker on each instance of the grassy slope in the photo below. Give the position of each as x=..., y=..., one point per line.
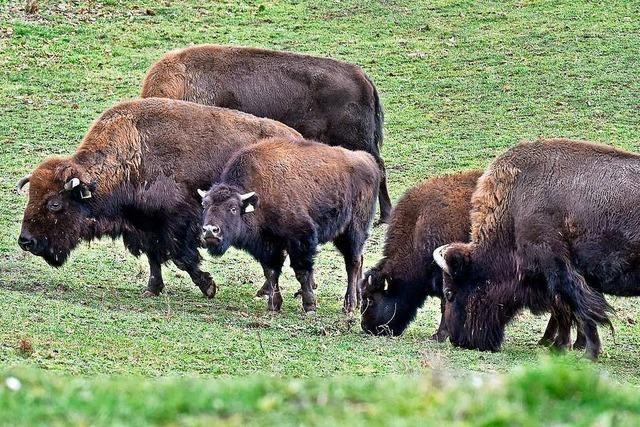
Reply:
x=460, y=82
x=550, y=394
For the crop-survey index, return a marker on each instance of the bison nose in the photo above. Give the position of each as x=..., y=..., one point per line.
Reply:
x=211, y=231
x=27, y=242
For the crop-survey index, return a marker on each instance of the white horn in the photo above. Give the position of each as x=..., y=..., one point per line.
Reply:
x=246, y=196
x=202, y=193
x=23, y=181
x=71, y=184
x=438, y=257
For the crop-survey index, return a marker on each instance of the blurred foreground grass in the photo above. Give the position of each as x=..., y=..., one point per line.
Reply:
x=550, y=392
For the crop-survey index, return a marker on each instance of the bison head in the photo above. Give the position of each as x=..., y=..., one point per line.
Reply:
x=376, y=312
x=383, y=313
x=225, y=207
x=57, y=214
x=476, y=312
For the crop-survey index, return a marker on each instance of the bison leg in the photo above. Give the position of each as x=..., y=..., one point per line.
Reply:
x=301, y=253
x=550, y=332
x=442, y=333
x=271, y=267
x=593, y=348
x=562, y=340
x=589, y=307
x=156, y=284
x=350, y=245
x=202, y=279
x=581, y=340
x=305, y=277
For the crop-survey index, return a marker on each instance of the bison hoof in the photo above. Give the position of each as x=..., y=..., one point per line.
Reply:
x=275, y=302
x=439, y=336
x=591, y=355
x=545, y=341
x=580, y=344
x=147, y=293
x=310, y=313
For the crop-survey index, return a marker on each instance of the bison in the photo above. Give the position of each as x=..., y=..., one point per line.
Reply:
x=552, y=220
x=329, y=101
x=427, y=216
x=136, y=175
x=282, y=195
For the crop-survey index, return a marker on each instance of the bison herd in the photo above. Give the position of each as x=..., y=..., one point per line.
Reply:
x=550, y=225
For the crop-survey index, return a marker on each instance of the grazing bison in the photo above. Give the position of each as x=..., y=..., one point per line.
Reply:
x=427, y=216
x=551, y=220
x=290, y=196
x=329, y=101
x=136, y=175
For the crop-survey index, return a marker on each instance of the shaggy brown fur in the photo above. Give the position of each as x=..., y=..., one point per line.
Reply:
x=325, y=100
x=429, y=215
x=298, y=194
x=141, y=162
x=561, y=230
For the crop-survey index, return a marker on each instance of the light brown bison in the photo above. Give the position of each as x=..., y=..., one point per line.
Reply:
x=289, y=196
x=325, y=100
x=136, y=175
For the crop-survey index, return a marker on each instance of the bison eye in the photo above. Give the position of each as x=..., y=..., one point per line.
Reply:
x=448, y=294
x=233, y=210
x=54, y=205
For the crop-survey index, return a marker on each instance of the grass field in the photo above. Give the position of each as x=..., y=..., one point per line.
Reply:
x=460, y=82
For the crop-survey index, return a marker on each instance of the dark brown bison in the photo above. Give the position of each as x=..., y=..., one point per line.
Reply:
x=136, y=175
x=429, y=215
x=551, y=220
x=289, y=196
x=329, y=101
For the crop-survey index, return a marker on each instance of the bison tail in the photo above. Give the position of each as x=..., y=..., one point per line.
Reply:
x=378, y=116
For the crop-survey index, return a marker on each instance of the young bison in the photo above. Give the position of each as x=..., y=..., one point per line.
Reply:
x=136, y=175
x=329, y=101
x=551, y=220
x=289, y=196
x=427, y=216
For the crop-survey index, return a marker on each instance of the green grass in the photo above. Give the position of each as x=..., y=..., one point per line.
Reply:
x=550, y=394
x=460, y=82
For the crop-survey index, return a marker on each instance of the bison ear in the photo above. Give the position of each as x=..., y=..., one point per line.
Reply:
x=75, y=180
x=249, y=201
x=454, y=259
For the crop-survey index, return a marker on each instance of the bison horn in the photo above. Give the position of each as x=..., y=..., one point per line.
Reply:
x=438, y=257
x=71, y=184
x=23, y=181
x=246, y=196
x=202, y=193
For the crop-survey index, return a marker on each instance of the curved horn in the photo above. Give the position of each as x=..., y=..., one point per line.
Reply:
x=438, y=257
x=246, y=196
x=202, y=193
x=23, y=181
